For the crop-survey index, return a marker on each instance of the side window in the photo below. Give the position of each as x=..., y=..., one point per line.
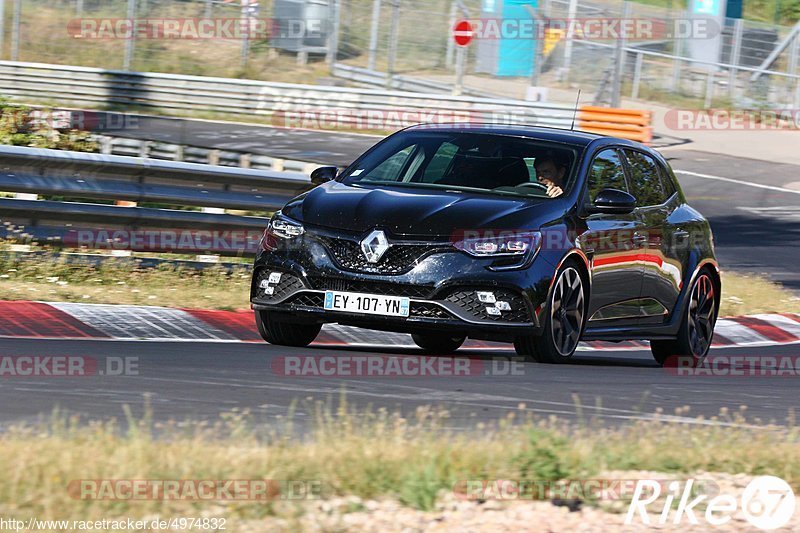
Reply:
x=646, y=183
x=440, y=162
x=666, y=178
x=391, y=168
x=606, y=173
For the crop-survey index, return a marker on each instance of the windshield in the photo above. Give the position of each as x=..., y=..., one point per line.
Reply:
x=469, y=161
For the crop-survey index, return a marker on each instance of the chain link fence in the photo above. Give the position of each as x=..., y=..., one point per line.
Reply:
x=411, y=38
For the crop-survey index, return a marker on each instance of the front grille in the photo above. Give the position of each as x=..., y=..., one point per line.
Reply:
x=467, y=300
x=308, y=299
x=371, y=287
x=426, y=310
x=398, y=259
x=287, y=285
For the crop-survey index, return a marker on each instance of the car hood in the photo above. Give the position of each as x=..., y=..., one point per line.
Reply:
x=418, y=212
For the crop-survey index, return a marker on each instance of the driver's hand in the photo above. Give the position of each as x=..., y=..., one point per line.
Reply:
x=553, y=190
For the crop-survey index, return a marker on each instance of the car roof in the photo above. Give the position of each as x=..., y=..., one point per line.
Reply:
x=538, y=132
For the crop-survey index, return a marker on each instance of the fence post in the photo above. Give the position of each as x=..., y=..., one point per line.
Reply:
x=245, y=22
x=393, y=36
x=572, y=13
x=451, y=45
x=2, y=26
x=461, y=57
x=678, y=52
x=709, y=90
x=793, y=59
x=738, y=32
x=15, y=30
x=130, y=43
x=619, y=55
x=373, y=37
x=637, y=75
x=333, y=37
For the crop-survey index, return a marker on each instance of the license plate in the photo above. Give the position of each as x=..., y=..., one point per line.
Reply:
x=371, y=304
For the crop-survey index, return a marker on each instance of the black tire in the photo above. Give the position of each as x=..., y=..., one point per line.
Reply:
x=697, y=326
x=283, y=333
x=557, y=343
x=438, y=343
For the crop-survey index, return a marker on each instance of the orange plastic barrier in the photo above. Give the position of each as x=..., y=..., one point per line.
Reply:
x=632, y=124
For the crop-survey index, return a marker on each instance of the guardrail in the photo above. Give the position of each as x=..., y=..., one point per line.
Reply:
x=283, y=104
x=374, y=78
x=109, y=179
x=178, y=93
x=111, y=145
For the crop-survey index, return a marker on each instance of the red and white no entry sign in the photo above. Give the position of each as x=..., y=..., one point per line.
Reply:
x=462, y=33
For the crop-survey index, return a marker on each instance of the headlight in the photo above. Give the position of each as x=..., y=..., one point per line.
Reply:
x=280, y=228
x=508, y=243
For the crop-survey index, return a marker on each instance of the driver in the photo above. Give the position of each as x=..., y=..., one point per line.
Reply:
x=550, y=172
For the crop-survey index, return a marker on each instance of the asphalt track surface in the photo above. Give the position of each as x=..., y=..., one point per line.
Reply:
x=201, y=380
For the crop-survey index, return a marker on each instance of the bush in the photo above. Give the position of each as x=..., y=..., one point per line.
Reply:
x=19, y=128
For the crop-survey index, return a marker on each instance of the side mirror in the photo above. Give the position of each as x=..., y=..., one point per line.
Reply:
x=613, y=201
x=323, y=175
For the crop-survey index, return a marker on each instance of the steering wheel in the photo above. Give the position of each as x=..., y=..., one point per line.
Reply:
x=534, y=184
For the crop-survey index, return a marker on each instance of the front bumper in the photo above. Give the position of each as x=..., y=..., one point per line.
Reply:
x=442, y=287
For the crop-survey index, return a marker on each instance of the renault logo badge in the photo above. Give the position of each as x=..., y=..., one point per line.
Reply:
x=374, y=246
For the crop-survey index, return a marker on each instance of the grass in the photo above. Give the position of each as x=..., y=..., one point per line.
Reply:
x=58, y=280
x=369, y=454
x=115, y=282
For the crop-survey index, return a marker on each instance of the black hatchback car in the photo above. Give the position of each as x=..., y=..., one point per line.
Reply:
x=536, y=236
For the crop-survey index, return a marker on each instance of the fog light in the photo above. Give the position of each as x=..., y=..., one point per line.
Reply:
x=503, y=306
x=493, y=311
x=486, y=297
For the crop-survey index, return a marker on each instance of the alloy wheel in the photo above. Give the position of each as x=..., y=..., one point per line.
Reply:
x=702, y=311
x=567, y=308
